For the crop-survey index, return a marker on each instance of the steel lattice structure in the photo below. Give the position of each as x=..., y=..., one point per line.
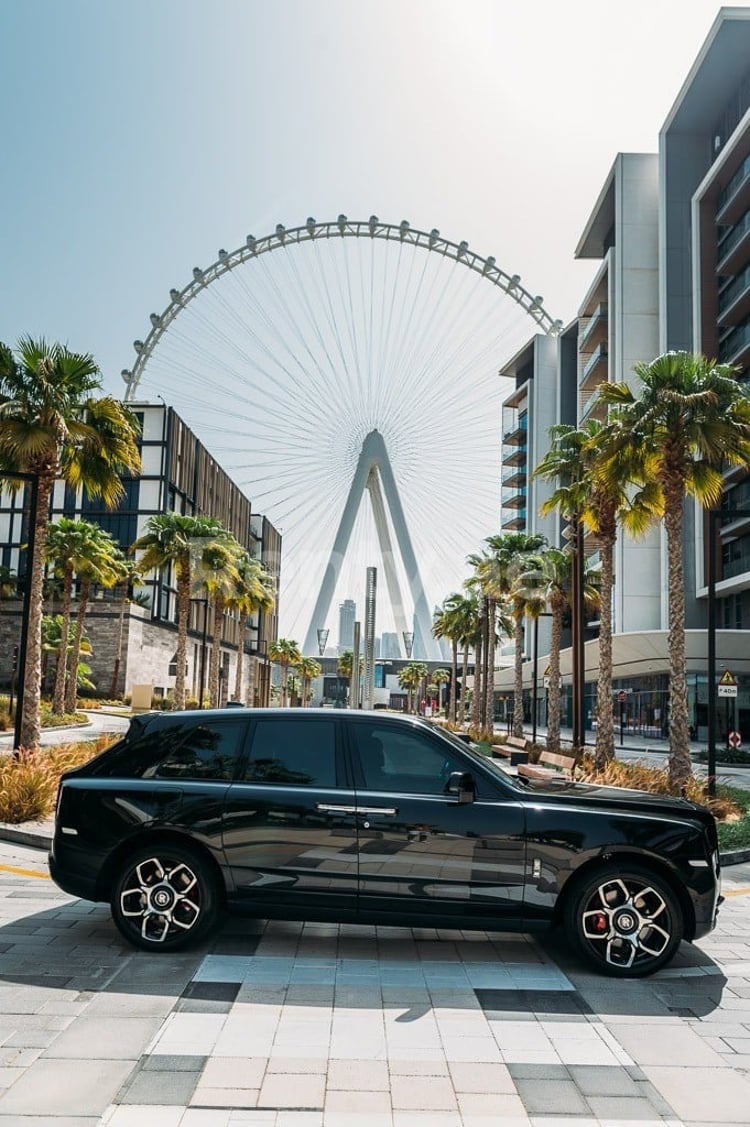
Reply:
x=379, y=357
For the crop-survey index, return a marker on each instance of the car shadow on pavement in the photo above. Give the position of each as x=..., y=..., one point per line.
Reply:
x=74, y=945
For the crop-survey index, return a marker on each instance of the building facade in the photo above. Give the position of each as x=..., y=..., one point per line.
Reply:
x=132, y=643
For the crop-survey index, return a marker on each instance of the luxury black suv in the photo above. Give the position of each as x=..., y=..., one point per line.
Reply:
x=319, y=814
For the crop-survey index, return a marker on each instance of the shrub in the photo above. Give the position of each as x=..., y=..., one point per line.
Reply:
x=639, y=776
x=28, y=780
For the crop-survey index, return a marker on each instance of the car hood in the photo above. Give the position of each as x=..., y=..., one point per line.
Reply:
x=621, y=797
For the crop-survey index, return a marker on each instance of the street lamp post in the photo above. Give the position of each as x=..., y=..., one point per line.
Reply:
x=714, y=517
x=23, y=643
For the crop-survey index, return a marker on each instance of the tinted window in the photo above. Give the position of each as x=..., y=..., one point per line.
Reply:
x=207, y=751
x=396, y=760
x=293, y=752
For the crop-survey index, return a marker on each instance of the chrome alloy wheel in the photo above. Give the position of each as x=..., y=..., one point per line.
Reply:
x=627, y=921
x=159, y=898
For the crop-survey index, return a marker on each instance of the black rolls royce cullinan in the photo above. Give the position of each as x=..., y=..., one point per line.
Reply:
x=321, y=814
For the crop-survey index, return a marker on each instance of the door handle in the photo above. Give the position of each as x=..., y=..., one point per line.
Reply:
x=328, y=808
x=391, y=811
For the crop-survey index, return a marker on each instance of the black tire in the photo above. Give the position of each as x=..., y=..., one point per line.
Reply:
x=164, y=897
x=626, y=921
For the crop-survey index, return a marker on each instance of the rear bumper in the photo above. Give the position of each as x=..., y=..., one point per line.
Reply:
x=73, y=882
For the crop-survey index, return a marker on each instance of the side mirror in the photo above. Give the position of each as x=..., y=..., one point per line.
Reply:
x=460, y=786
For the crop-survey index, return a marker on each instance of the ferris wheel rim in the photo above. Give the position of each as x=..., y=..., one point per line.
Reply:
x=341, y=227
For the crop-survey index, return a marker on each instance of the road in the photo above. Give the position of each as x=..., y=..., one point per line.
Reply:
x=281, y=1025
x=99, y=724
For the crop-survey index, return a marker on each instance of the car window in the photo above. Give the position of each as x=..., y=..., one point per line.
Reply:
x=210, y=750
x=294, y=752
x=392, y=759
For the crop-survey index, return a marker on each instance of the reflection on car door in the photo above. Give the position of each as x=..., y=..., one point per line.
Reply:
x=421, y=851
x=289, y=826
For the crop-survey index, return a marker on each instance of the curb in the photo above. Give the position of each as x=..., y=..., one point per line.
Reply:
x=37, y=836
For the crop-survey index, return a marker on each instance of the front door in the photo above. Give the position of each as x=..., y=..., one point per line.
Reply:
x=420, y=850
x=289, y=826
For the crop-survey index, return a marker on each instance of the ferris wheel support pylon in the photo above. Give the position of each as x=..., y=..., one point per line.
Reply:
x=373, y=460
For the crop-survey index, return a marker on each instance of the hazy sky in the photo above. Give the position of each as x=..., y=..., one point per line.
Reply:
x=139, y=137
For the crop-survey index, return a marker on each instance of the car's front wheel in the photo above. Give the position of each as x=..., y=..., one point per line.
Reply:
x=627, y=922
x=164, y=897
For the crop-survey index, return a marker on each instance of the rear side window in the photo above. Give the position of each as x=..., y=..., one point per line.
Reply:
x=294, y=752
x=187, y=750
x=208, y=751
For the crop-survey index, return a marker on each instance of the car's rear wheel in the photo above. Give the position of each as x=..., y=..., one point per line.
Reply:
x=164, y=897
x=627, y=922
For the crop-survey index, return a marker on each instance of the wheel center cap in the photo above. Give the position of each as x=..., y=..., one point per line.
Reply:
x=626, y=922
x=162, y=898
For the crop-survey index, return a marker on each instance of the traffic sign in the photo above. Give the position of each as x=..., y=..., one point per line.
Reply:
x=727, y=690
x=727, y=678
x=734, y=739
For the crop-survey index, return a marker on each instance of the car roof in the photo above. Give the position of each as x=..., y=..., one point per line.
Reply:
x=147, y=719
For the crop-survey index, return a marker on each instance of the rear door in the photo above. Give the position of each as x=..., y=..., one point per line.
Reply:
x=420, y=850
x=290, y=835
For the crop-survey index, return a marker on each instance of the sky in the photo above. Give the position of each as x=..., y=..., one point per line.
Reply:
x=138, y=138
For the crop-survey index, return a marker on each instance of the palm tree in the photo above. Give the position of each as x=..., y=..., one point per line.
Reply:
x=309, y=669
x=52, y=425
x=172, y=540
x=98, y=561
x=129, y=575
x=509, y=555
x=52, y=643
x=253, y=590
x=550, y=580
x=440, y=677
x=284, y=652
x=344, y=667
x=218, y=577
x=444, y=625
x=410, y=677
x=463, y=611
x=602, y=502
x=690, y=418
x=68, y=546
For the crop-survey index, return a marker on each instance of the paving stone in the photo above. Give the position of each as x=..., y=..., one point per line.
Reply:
x=157, y=1087
x=561, y=1097
x=99, y=1038
x=697, y=1093
x=53, y=1087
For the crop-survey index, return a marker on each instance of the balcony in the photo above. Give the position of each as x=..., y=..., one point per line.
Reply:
x=514, y=477
x=735, y=558
x=590, y=407
x=513, y=521
x=596, y=330
x=733, y=250
x=515, y=455
x=735, y=348
x=735, y=197
x=514, y=499
x=734, y=299
x=596, y=367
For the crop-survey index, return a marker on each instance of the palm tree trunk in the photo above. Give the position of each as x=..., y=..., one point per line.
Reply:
x=605, y=726
x=518, y=675
x=219, y=604
x=32, y=673
x=454, y=674
x=183, y=614
x=120, y=635
x=553, y=717
x=71, y=684
x=489, y=678
x=284, y=678
x=464, y=675
x=476, y=700
x=58, y=692
x=241, y=631
x=680, y=765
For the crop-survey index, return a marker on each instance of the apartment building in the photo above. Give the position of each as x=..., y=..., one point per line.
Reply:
x=134, y=644
x=670, y=232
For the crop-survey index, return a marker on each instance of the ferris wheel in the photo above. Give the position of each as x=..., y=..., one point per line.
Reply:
x=357, y=358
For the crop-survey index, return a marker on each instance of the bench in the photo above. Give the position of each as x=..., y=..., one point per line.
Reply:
x=514, y=749
x=550, y=766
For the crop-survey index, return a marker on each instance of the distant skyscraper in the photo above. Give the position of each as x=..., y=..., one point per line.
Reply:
x=389, y=647
x=347, y=616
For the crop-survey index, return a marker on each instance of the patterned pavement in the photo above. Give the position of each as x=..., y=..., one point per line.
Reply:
x=285, y=1025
